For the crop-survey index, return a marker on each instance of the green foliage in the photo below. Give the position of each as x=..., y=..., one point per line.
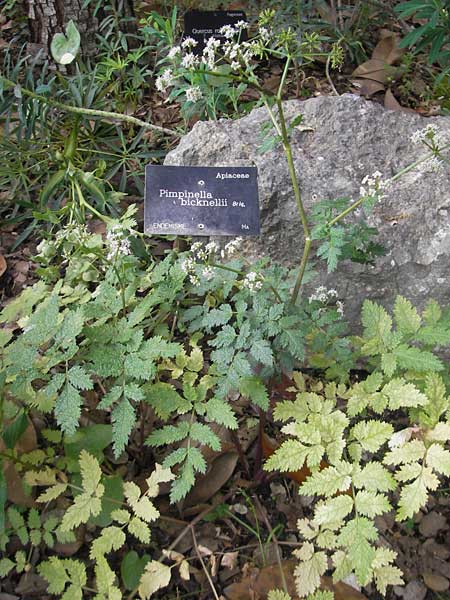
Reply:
x=409, y=346
x=361, y=467
x=432, y=34
x=65, y=47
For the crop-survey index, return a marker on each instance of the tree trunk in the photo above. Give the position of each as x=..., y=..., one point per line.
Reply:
x=47, y=17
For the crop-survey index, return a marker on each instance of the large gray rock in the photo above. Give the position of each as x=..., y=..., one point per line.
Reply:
x=351, y=138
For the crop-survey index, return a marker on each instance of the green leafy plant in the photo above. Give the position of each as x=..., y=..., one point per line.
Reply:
x=361, y=467
x=434, y=33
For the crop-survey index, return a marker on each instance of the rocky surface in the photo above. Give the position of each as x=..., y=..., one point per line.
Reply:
x=350, y=138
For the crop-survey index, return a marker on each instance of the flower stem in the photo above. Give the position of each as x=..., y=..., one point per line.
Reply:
x=298, y=200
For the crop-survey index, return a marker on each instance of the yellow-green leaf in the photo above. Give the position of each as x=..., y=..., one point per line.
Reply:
x=155, y=577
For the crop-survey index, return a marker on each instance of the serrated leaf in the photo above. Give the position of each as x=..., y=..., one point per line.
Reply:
x=139, y=529
x=438, y=457
x=123, y=418
x=203, y=433
x=278, y=595
x=111, y=538
x=408, y=453
x=159, y=475
x=68, y=409
x=217, y=316
x=6, y=565
x=333, y=512
x=140, y=504
x=387, y=575
x=83, y=507
x=308, y=573
x=402, y=394
x=415, y=495
x=165, y=400
x=254, y=389
x=355, y=537
x=52, y=493
x=54, y=571
x=330, y=480
x=220, y=412
x=377, y=327
x=155, y=576
x=374, y=477
x=80, y=378
x=372, y=434
x=290, y=456
x=406, y=316
x=262, y=352
x=410, y=357
x=371, y=504
x=90, y=472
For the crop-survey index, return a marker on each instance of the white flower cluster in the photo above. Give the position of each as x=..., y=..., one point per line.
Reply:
x=435, y=164
x=239, y=53
x=193, y=94
x=165, y=80
x=117, y=243
x=325, y=296
x=430, y=134
x=209, y=52
x=74, y=233
x=373, y=186
x=231, y=247
x=189, y=43
x=230, y=31
x=201, y=253
x=190, y=61
x=252, y=281
x=322, y=295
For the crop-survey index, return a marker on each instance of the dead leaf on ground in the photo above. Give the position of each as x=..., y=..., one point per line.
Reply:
x=3, y=264
x=432, y=523
x=14, y=481
x=221, y=466
x=258, y=584
x=434, y=582
x=379, y=68
x=387, y=48
x=391, y=103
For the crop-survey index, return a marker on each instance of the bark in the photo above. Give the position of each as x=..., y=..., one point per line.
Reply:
x=47, y=17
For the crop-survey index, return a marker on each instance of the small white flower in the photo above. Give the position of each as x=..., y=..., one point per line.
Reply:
x=232, y=247
x=174, y=52
x=252, y=282
x=189, y=43
x=208, y=273
x=190, y=61
x=373, y=186
x=429, y=133
x=212, y=247
x=164, y=81
x=340, y=307
x=228, y=31
x=435, y=164
x=117, y=242
x=235, y=65
x=193, y=94
x=242, y=25
x=264, y=34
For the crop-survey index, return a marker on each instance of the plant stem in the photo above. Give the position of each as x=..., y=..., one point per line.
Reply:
x=398, y=175
x=103, y=114
x=298, y=200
